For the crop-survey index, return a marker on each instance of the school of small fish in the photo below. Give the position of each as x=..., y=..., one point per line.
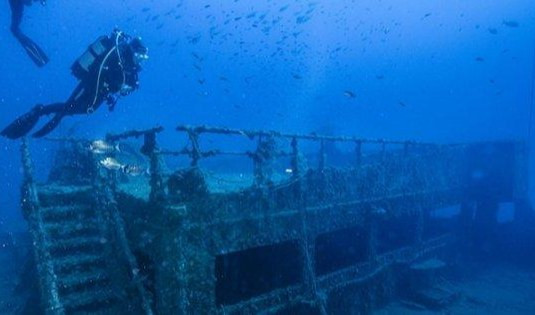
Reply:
x=228, y=25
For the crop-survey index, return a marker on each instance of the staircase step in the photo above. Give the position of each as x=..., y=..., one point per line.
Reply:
x=61, y=230
x=76, y=244
x=55, y=195
x=83, y=281
x=78, y=261
x=72, y=212
x=97, y=300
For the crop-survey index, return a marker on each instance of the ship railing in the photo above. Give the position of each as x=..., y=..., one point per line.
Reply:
x=264, y=147
x=266, y=151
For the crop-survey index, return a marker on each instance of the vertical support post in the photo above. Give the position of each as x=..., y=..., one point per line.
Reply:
x=30, y=206
x=258, y=167
x=195, y=150
x=358, y=153
x=321, y=184
x=259, y=178
x=295, y=159
x=263, y=159
x=157, y=194
x=306, y=240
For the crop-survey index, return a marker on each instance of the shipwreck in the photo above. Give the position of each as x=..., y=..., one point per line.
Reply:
x=282, y=224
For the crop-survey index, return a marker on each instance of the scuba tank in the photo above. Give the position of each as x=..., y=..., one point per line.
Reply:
x=91, y=57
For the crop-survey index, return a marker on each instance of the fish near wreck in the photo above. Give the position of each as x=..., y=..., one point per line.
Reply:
x=102, y=147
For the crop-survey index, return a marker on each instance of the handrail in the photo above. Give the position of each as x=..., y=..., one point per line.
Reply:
x=270, y=133
x=265, y=153
x=133, y=134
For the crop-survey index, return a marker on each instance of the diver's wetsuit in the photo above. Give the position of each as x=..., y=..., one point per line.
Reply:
x=110, y=77
x=37, y=55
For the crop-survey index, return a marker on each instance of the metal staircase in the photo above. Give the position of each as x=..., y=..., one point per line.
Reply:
x=76, y=246
x=84, y=263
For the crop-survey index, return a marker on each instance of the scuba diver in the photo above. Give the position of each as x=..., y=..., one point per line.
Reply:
x=37, y=55
x=107, y=70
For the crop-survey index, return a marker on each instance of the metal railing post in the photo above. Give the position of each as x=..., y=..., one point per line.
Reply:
x=195, y=149
x=157, y=193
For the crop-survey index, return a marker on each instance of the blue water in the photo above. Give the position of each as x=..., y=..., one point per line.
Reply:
x=441, y=71
x=411, y=65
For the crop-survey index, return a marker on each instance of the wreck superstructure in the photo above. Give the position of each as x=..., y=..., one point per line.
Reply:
x=295, y=235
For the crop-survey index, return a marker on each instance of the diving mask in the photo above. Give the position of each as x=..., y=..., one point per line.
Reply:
x=141, y=53
x=140, y=57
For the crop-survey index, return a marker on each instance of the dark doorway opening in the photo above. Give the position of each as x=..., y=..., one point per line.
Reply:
x=340, y=249
x=245, y=274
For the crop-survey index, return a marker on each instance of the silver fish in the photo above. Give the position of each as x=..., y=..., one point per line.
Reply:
x=102, y=147
x=111, y=164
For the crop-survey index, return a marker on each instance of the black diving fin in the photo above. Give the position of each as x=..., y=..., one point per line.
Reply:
x=51, y=125
x=33, y=50
x=22, y=125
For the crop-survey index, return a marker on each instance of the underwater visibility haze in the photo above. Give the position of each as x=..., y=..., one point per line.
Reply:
x=331, y=157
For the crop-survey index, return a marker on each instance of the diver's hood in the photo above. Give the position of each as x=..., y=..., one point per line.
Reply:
x=140, y=51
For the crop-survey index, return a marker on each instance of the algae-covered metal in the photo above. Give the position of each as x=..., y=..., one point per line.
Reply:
x=285, y=236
